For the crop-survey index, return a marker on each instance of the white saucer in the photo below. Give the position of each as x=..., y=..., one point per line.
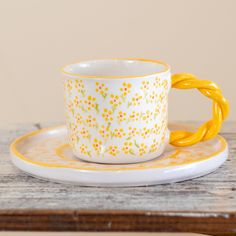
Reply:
x=46, y=154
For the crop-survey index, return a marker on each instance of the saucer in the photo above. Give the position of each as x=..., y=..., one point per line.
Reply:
x=46, y=154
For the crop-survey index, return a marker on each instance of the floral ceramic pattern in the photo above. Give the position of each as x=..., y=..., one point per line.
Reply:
x=55, y=152
x=113, y=118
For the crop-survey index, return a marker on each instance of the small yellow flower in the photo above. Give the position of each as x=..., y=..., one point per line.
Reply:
x=127, y=147
x=145, y=132
x=70, y=106
x=90, y=103
x=153, y=97
x=154, y=146
x=156, y=111
x=84, y=133
x=165, y=84
x=163, y=123
x=79, y=119
x=79, y=85
x=121, y=116
x=84, y=149
x=77, y=101
x=91, y=121
x=102, y=89
x=162, y=97
x=157, y=82
x=134, y=116
x=164, y=109
x=107, y=115
x=145, y=85
x=135, y=101
x=104, y=131
x=142, y=149
x=73, y=139
x=133, y=132
x=156, y=129
x=147, y=116
x=163, y=138
x=119, y=133
x=97, y=145
x=115, y=100
x=68, y=84
x=125, y=89
x=113, y=150
x=73, y=127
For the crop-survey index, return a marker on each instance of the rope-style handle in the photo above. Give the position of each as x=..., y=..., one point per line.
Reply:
x=220, y=110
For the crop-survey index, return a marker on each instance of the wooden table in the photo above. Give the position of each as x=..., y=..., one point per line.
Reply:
x=204, y=205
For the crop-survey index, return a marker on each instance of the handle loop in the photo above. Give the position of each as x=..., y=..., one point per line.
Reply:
x=220, y=110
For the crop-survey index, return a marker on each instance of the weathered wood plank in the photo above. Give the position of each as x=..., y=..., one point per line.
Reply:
x=205, y=198
x=214, y=192
x=70, y=220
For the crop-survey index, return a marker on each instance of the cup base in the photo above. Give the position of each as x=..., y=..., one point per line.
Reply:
x=131, y=159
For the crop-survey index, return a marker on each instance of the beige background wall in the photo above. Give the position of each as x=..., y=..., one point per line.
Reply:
x=39, y=36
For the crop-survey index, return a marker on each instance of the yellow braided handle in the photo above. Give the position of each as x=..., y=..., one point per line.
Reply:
x=220, y=110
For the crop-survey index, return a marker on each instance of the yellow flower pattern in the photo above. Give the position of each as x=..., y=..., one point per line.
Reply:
x=156, y=129
x=121, y=116
x=115, y=101
x=154, y=146
x=119, y=133
x=145, y=85
x=73, y=127
x=102, y=89
x=78, y=102
x=157, y=82
x=107, y=115
x=85, y=133
x=125, y=89
x=142, y=149
x=153, y=97
x=127, y=148
x=100, y=115
x=136, y=100
x=79, y=119
x=104, y=131
x=79, y=85
x=145, y=132
x=134, y=116
x=83, y=149
x=70, y=107
x=132, y=132
x=156, y=112
x=147, y=116
x=90, y=103
x=91, y=121
x=113, y=150
x=97, y=145
x=73, y=139
x=68, y=85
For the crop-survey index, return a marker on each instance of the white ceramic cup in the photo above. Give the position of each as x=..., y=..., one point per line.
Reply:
x=117, y=110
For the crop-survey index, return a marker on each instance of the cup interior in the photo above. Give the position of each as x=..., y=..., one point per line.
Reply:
x=116, y=68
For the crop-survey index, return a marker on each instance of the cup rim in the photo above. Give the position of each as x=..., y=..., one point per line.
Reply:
x=166, y=69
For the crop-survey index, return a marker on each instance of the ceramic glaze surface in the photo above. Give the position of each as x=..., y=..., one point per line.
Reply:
x=118, y=120
x=117, y=109
x=46, y=154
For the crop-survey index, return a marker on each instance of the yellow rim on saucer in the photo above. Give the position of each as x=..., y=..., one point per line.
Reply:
x=138, y=166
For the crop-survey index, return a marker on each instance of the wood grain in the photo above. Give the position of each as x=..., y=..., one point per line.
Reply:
x=203, y=205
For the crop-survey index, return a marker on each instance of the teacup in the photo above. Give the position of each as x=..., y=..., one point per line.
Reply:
x=117, y=109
